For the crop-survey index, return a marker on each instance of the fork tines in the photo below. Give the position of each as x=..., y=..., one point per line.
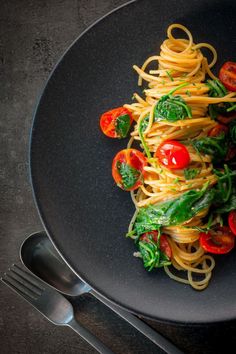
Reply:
x=23, y=282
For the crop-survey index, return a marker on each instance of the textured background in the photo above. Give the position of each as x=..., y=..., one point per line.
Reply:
x=33, y=36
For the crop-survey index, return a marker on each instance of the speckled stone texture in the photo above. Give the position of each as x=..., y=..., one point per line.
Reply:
x=33, y=36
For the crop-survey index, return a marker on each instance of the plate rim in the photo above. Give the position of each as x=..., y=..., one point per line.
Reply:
x=41, y=213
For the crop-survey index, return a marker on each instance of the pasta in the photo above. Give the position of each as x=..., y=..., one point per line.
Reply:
x=179, y=75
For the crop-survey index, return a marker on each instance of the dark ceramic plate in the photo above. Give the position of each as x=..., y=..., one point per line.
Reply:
x=85, y=214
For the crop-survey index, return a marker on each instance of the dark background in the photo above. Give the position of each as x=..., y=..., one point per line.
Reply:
x=33, y=36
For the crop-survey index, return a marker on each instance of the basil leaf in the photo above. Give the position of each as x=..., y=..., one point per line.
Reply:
x=151, y=254
x=129, y=174
x=190, y=173
x=171, y=108
x=122, y=125
x=174, y=211
x=216, y=146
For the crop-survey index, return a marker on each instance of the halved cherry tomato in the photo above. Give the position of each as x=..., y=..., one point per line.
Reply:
x=231, y=153
x=227, y=75
x=218, y=129
x=232, y=221
x=226, y=118
x=116, y=123
x=217, y=241
x=128, y=169
x=173, y=154
x=164, y=244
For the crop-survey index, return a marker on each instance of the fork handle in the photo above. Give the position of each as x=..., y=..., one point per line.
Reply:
x=89, y=337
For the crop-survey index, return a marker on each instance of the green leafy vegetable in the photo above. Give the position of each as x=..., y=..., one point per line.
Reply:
x=169, y=75
x=232, y=108
x=172, y=108
x=229, y=205
x=190, y=173
x=140, y=132
x=122, y=125
x=151, y=254
x=144, y=123
x=224, y=184
x=174, y=211
x=216, y=146
x=129, y=174
x=217, y=89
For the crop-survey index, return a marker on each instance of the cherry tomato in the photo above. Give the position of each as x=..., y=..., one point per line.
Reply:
x=164, y=244
x=231, y=153
x=173, y=154
x=116, y=123
x=128, y=169
x=217, y=241
x=218, y=129
x=227, y=75
x=232, y=221
x=226, y=118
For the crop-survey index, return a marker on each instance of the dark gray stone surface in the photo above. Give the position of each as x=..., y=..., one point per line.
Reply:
x=33, y=36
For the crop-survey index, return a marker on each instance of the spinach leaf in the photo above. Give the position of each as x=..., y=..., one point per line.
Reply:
x=142, y=126
x=216, y=146
x=224, y=185
x=122, y=125
x=172, y=108
x=151, y=254
x=190, y=173
x=129, y=175
x=229, y=205
x=174, y=211
x=144, y=123
x=217, y=89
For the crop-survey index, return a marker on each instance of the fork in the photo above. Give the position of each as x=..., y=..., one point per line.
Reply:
x=50, y=303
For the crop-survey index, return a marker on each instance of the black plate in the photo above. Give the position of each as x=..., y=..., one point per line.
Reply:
x=85, y=214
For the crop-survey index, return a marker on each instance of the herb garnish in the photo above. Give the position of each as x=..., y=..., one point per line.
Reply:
x=172, y=108
x=142, y=127
x=174, y=211
x=122, y=125
x=151, y=254
x=129, y=175
x=217, y=89
x=190, y=173
x=216, y=146
x=169, y=75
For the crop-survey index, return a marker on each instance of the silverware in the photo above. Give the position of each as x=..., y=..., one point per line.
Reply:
x=40, y=256
x=49, y=302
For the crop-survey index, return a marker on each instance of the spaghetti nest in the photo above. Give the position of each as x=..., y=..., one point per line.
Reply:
x=182, y=70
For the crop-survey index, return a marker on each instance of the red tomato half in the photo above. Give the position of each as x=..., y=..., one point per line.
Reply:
x=128, y=169
x=218, y=129
x=164, y=244
x=230, y=153
x=116, y=123
x=227, y=117
x=173, y=154
x=227, y=75
x=232, y=221
x=218, y=241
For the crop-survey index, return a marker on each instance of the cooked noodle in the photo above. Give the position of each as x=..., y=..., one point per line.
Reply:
x=180, y=61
